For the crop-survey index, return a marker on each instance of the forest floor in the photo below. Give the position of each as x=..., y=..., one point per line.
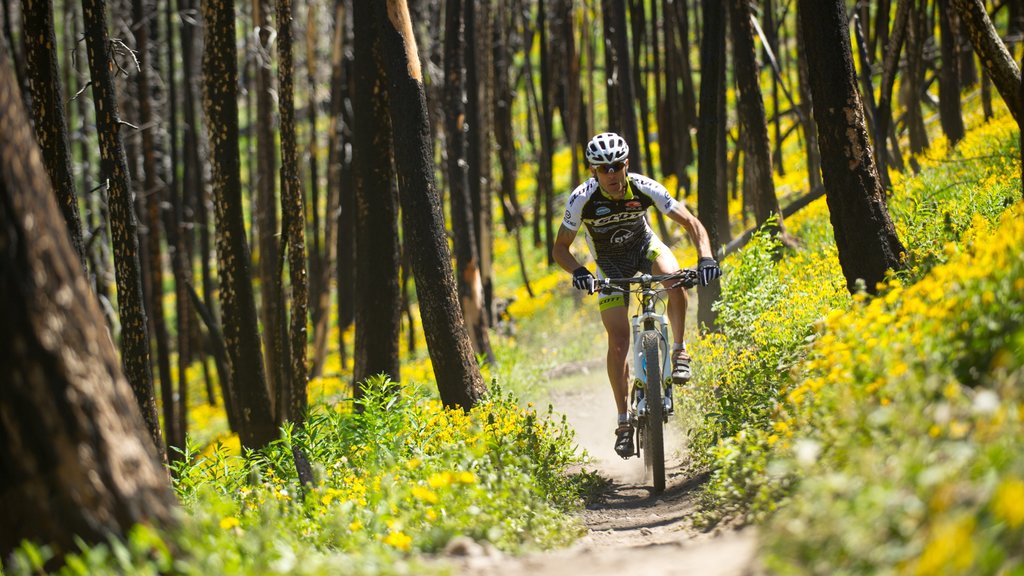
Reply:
x=629, y=530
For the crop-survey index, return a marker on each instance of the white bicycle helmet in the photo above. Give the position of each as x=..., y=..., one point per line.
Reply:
x=607, y=148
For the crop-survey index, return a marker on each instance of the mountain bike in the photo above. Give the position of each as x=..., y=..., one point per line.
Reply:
x=650, y=396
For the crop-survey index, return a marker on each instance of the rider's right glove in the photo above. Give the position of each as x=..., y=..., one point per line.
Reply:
x=708, y=270
x=582, y=279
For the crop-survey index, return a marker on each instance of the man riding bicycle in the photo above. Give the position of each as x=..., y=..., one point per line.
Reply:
x=613, y=205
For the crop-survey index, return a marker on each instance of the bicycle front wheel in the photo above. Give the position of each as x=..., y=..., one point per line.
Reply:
x=654, y=445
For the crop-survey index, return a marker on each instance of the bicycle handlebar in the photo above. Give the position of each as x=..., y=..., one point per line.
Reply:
x=687, y=277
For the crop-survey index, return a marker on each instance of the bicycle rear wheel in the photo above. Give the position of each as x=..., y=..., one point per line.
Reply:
x=654, y=438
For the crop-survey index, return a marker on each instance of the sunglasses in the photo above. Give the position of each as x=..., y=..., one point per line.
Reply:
x=610, y=168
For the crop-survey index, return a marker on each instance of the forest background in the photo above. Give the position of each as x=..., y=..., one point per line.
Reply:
x=254, y=268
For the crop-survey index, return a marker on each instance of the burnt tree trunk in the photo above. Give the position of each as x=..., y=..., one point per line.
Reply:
x=114, y=171
x=455, y=369
x=153, y=195
x=378, y=257
x=76, y=457
x=865, y=237
x=467, y=263
x=950, y=111
x=44, y=84
x=291, y=404
x=751, y=112
x=247, y=384
x=709, y=157
x=997, y=60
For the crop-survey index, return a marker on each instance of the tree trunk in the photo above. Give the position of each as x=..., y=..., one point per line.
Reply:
x=238, y=303
x=291, y=405
x=378, y=258
x=883, y=122
x=913, y=85
x=470, y=284
x=339, y=176
x=709, y=157
x=865, y=237
x=750, y=109
x=950, y=112
x=76, y=458
x=455, y=369
x=996, y=59
x=153, y=195
x=114, y=171
x=619, y=79
x=264, y=189
x=806, y=107
x=44, y=85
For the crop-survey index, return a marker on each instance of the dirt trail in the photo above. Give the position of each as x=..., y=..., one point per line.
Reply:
x=629, y=529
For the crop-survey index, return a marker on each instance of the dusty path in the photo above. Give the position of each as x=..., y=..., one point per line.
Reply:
x=629, y=529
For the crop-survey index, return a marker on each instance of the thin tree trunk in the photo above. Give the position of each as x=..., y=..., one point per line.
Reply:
x=1002, y=69
x=153, y=194
x=709, y=164
x=292, y=403
x=272, y=306
x=238, y=303
x=114, y=171
x=751, y=112
x=48, y=113
x=950, y=113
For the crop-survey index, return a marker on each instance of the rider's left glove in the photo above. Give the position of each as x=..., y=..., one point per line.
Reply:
x=708, y=270
x=582, y=279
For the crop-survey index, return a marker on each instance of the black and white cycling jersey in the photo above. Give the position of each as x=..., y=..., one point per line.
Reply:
x=616, y=228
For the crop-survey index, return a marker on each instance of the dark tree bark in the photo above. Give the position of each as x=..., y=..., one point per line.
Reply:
x=950, y=111
x=339, y=175
x=76, y=458
x=865, y=237
x=291, y=398
x=545, y=121
x=153, y=196
x=238, y=303
x=44, y=84
x=467, y=267
x=114, y=171
x=619, y=80
x=750, y=109
x=320, y=275
x=512, y=215
x=996, y=59
x=913, y=85
x=455, y=369
x=377, y=310
x=195, y=194
x=883, y=121
x=15, y=49
x=810, y=130
x=709, y=155
x=272, y=305
x=481, y=90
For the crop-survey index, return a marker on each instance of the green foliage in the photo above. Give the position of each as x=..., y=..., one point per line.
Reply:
x=878, y=435
x=402, y=476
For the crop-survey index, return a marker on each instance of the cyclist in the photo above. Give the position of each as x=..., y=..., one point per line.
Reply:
x=613, y=204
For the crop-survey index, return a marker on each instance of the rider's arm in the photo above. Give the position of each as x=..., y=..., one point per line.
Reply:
x=698, y=234
x=561, y=252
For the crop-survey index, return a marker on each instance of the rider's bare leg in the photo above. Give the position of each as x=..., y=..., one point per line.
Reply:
x=616, y=324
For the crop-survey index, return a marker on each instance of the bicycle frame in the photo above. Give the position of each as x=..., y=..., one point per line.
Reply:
x=646, y=319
